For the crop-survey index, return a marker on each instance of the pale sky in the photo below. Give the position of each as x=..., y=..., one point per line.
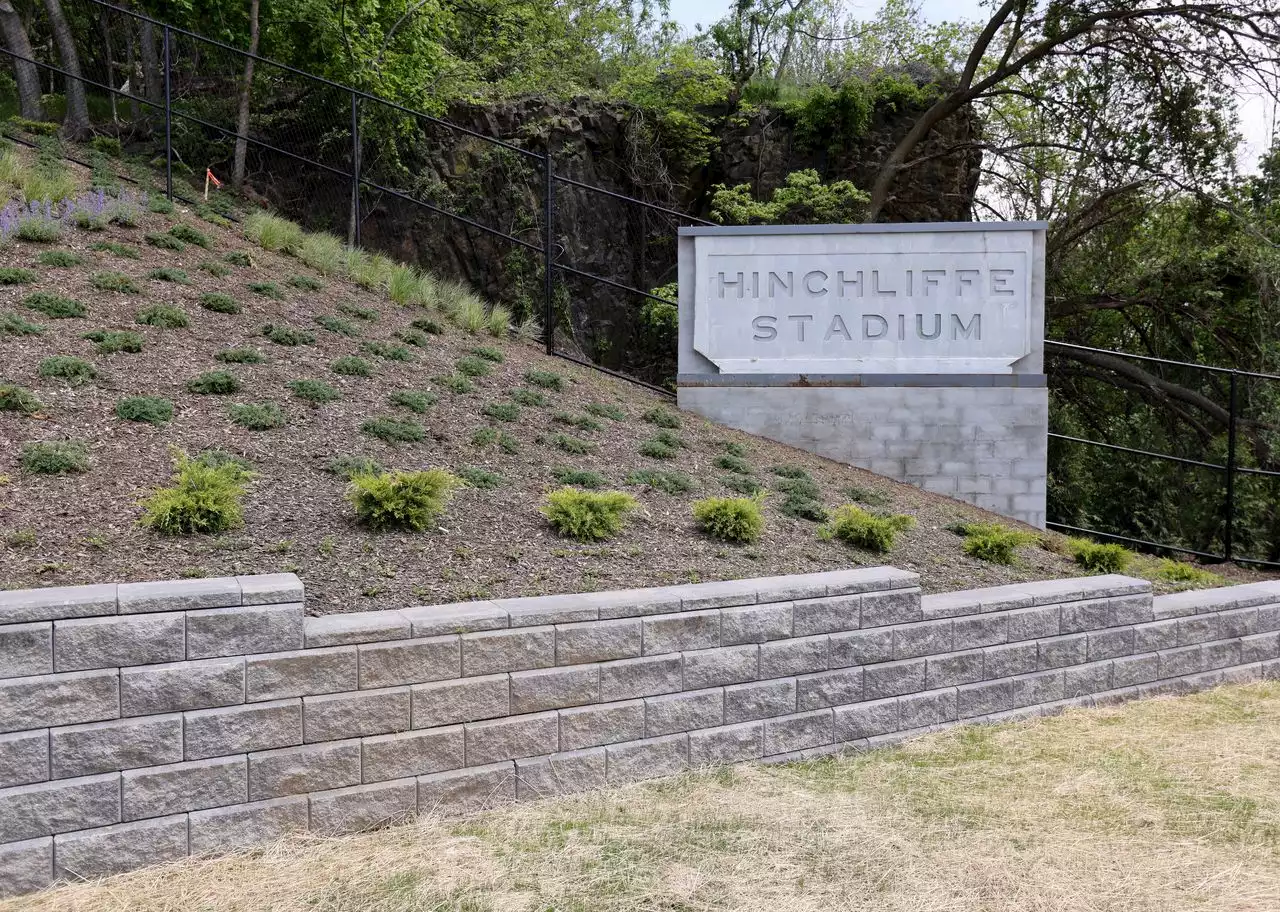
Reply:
x=1258, y=115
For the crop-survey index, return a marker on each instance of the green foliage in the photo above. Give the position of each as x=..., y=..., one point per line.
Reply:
x=587, y=515
x=360, y=313
x=477, y=477
x=16, y=399
x=803, y=498
x=108, y=145
x=12, y=324
x=267, y=290
x=189, y=235
x=502, y=411
x=169, y=274
x=488, y=354
x=1097, y=557
x=351, y=366
x=38, y=231
x=313, y=391
x=582, y=478
x=288, y=335
x=530, y=397
x=544, y=380
x=731, y=463
x=337, y=325
x=55, y=457
x=394, y=430
x=732, y=519
x=658, y=449
x=472, y=366
x=216, y=459
x=10, y=275
x=218, y=302
x=164, y=316
x=424, y=324
x=258, y=416
x=456, y=383
x=994, y=543
x=411, y=337
x=203, y=499
x=413, y=400
x=120, y=250
x=406, y=285
x=868, y=496
x=387, y=350
x=787, y=471
x=871, y=531
x=605, y=410
x=239, y=258
x=61, y=259
x=582, y=422
x=165, y=242
x=1185, y=575
x=732, y=448
x=215, y=269
x=147, y=409
x=75, y=371
x=111, y=342
x=54, y=306
x=240, y=356
x=324, y=253
x=572, y=445
x=663, y=418
x=802, y=200
x=114, y=281
x=498, y=321
x=742, y=484
x=833, y=119
x=668, y=482
x=488, y=436
x=270, y=232
x=159, y=204
x=402, y=500
x=350, y=466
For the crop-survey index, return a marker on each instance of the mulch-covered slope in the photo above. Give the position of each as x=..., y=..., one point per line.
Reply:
x=67, y=529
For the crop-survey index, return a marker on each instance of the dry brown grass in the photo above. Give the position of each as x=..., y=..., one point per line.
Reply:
x=1168, y=804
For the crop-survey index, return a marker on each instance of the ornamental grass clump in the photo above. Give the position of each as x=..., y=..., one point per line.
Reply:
x=402, y=500
x=587, y=515
x=203, y=499
x=870, y=531
x=732, y=519
x=324, y=253
x=270, y=232
x=1097, y=557
x=994, y=543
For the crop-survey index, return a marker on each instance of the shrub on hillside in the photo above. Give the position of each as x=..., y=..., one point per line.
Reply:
x=871, y=498
x=387, y=350
x=423, y=324
x=120, y=250
x=667, y=482
x=581, y=422
x=74, y=371
x=545, y=380
x=530, y=397
x=337, y=325
x=456, y=383
x=477, y=477
x=472, y=366
x=240, y=356
x=147, y=409
x=351, y=466
x=1097, y=557
x=394, y=430
x=288, y=335
x=60, y=259
x=605, y=410
x=17, y=276
x=218, y=302
x=502, y=411
x=662, y=417
x=994, y=542
x=203, y=499
x=412, y=400
x=55, y=457
x=401, y=500
x=216, y=269
x=351, y=366
x=239, y=258
x=169, y=274
x=658, y=449
x=189, y=235
x=267, y=290
x=587, y=515
x=1187, y=576
x=360, y=313
x=258, y=416
x=16, y=399
x=733, y=449
x=412, y=337
x=214, y=383
x=742, y=484
x=579, y=478
x=54, y=306
x=165, y=316
x=316, y=392
x=731, y=519
x=572, y=445
x=731, y=463
x=111, y=342
x=871, y=531
x=488, y=353
x=165, y=242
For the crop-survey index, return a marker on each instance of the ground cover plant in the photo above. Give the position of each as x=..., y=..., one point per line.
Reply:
x=202, y=499
x=732, y=519
x=109, y=343
x=587, y=515
x=871, y=531
x=402, y=500
x=55, y=457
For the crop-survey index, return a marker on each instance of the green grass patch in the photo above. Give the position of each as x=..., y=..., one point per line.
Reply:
x=581, y=422
x=12, y=324
x=733, y=519
x=1097, y=557
x=875, y=532
x=203, y=499
x=164, y=316
x=572, y=445
x=402, y=500
x=488, y=354
x=189, y=235
x=239, y=258
x=604, y=410
x=413, y=400
x=218, y=302
x=733, y=449
x=75, y=371
x=351, y=366
x=587, y=515
x=146, y=409
x=394, y=430
x=360, y=313
x=1186, y=575
x=994, y=543
x=337, y=325
x=657, y=449
x=477, y=477
x=428, y=326
x=240, y=356
x=471, y=366
x=580, y=478
x=216, y=269
x=288, y=335
x=160, y=204
x=270, y=232
x=267, y=290
x=742, y=484
x=387, y=350
x=456, y=383
x=54, y=306
x=349, y=467
x=666, y=481
x=165, y=242
x=731, y=463
x=16, y=399
x=14, y=275
x=109, y=342
x=316, y=392
x=214, y=383
x=790, y=471
x=868, y=496
x=55, y=457
x=124, y=251
x=490, y=436
x=544, y=380
x=169, y=274
x=530, y=397
x=258, y=416
x=38, y=231
x=662, y=417
x=59, y=259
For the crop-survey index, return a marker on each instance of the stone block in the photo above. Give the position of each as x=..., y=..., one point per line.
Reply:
x=64, y=699
x=1184, y=661
x=682, y=712
x=951, y=604
x=26, y=866
x=923, y=639
x=1131, y=609
x=297, y=770
x=1010, y=659
x=931, y=708
x=760, y=700
x=983, y=630
x=864, y=647
x=1200, y=629
x=1222, y=654
x=783, y=658
x=413, y=753
x=1034, y=623
x=241, y=825
x=718, y=667
x=1238, y=623
x=632, y=603
x=1128, y=671
x=350, y=715
x=598, y=641
x=301, y=672
x=29, y=811
x=506, y=739
x=726, y=744
x=897, y=606
x=892, y=679
x=364, y=807
x=647, y=676
x=647, y=759
x=953, y=669
x=19, y=606
x=242, y=729
x=608, y=723
x=81, y=644
x=496, y=651
x=1109, y=643
x=178, y=595
x=26, y=649
x=119, y=848
x=192, y=786
x=270, y=589
x=553, y=688
x=667, y=633
x=412, y=662
x=984, y=698
x=460, y=617
x=798, y=732
x=360, y=627
x=826, y=688
x=1037, y=689
x=560, y=774
x=541, y=610
x=24, y=758
x=755, y=623
x=1268, y=617
x=1155, y=636
x=180, y=686
x=1078, y=617
x=699, y=596
x=832, y=614
x=1058, y=652
x=100, y=747
x=467, y=791
x=468, y=700
x=1260, y=647
x=244, y=631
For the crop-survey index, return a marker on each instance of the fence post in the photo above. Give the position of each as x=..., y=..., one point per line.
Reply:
x=549, y=249
x=168, y=119
x=353, y=234
x=1231, y=469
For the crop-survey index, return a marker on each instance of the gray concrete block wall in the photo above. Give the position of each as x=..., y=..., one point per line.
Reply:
x=268, y=722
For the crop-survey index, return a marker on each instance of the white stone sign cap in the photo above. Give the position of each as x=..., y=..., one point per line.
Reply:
x=836, y=299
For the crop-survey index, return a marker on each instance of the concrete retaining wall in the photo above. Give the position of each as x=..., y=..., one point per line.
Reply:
x=140, y=723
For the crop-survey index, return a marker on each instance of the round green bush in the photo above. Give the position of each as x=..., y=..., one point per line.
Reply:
x=149, y=409
x=732, y=519
x=401, y=500
x=587, y=515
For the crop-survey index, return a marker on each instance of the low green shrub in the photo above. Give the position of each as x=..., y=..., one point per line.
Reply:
x=413, y=400
x=488, y=354
x=544, y=380
x=402, y=500
x=868, y=496
x=16, y=399
x=587, y=515
x=802, y=487
x=169, y=274
x=667, y=482
x=218, y=302
x=530, y=397
x=107, y=145
x=1097, y=557
x=572, y=445
x=742, y=484
x=120, y=250
x=55, y=457
x=13, y=275
x=351, y=466
x=800, y=507
x=870, y=531
x=604, y=410
x=216, y=458
x=239, y=258
x=270, y=232
x=426, y=325
x=203, y=499
x=109, y=342
x=60, y=259
x=316, y=392
x=581, y=478
x=74, y=371
x=732, y=519
x=471, y=366
x=502, y=411
x=488, y=436
x=267, y=290
x=12, y=324
x=288, y=335
x=1185, y=575
x=54, y=306
x=160, y=204
x=477, y=477
x=394, y=430
x=337, y=325
x=412, y=337
x=351, y=366
x=994, y=543
x=38, y=231
x=215, y=269
x=360, y=313
x=658, y=449
x=456, y=383
x=789, y=471
x=324, y=253
x=733, y=449
x=240, y=356
x=258, y=416
x=164, y=316
x=146, y=409
x=214, y=383
x=662, y=417
x=165, y=242
x=387, y=350
x=189, y=235
x=731, y=463
x=582, y=422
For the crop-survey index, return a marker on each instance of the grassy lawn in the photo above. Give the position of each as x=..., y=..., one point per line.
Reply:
x=1165, y=804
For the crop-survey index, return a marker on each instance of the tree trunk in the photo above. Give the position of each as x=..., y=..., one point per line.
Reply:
x=76, y=124
x=104, y=22
x=26, y=74
x=152, y=85
x=246, y=90
x=134, y=81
